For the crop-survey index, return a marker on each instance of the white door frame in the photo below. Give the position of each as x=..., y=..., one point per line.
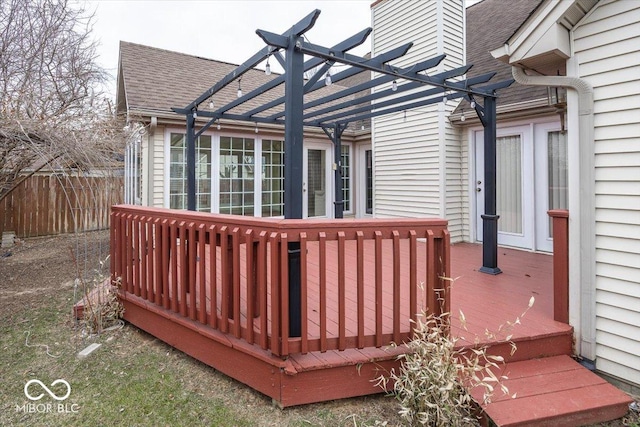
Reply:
x=361, y=180
x=329, y=189
x=525, y=239
x=543, y=241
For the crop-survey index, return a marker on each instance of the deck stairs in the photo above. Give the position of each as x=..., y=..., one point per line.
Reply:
x=547, y=387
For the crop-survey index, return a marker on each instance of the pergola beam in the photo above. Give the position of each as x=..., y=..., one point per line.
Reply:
x=400, y=89
x=301, y=27
x=325, y=53
x=399, y=102
x=380, y=59
x=421, y=66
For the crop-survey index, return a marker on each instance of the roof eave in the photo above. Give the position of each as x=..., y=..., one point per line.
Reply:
x=542, y=42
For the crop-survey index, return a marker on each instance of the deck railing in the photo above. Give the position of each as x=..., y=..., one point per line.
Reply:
x=230, y=273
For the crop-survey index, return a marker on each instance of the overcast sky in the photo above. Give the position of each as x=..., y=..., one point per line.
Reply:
x=218, y=29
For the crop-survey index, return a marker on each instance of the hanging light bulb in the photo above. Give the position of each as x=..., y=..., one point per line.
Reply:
x=462, y=117
x=211, y=104
x=394, y=86
x=473, y=103
x=195, y=113
x=218, y=124
x=444, y=98
x=327, y=79
x=239, y=88
x=267, y=67
x=256, y=130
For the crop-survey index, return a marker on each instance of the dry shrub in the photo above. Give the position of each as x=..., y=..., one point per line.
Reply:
x=103, y=309
x=434, y=378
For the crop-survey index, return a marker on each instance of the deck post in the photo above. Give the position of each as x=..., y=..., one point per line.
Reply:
x=560, y=220
x=337, y=147
x=489, y=218
x=293, y=176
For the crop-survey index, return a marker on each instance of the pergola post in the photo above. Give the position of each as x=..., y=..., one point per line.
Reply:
x=489, y=218
x=293, y=177
x=191, y=162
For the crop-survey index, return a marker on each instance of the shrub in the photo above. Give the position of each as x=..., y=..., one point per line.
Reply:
x=434, y=378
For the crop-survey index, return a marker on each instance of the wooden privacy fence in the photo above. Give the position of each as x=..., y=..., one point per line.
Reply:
x=55, y=204
x=230, y=273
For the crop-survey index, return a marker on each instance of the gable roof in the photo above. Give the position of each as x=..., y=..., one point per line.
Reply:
x=151, y=81
x=489, y=24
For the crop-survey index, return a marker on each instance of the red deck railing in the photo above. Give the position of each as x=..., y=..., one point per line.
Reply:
x=230, y=273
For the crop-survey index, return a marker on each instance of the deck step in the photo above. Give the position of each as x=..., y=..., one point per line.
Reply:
x=553, y=391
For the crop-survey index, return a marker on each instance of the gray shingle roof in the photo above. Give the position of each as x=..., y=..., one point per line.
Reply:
x=154, y=80
x=489, y=25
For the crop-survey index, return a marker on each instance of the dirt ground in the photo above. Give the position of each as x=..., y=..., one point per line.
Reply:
x=39, y=273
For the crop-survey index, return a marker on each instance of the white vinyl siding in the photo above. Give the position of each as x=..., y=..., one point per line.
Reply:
x=157, y=174
x=607, y=50
x=417, y=154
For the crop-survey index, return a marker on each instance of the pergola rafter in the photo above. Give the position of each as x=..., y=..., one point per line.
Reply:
x=335, y=111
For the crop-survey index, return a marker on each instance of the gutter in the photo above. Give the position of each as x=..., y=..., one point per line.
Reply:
x=581, y=223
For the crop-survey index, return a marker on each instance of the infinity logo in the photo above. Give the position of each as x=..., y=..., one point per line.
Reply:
x=45, y=388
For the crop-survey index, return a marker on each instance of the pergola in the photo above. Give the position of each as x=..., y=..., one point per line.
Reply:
x=333, y=113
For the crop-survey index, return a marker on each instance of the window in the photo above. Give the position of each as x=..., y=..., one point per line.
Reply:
x=237, y=163
x=345, y=161
x=509, y=183
x=557, y=172
x=369, y=182
x=132, y=173
x=178, y=173
x=272, y=178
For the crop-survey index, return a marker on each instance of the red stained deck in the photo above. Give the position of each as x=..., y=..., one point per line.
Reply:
x=354, y=305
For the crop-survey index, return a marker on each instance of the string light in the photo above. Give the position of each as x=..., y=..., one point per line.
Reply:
x=462, y=117
x=211, y=104
x=218, y=124
x=239, y=88
x=195, y=113
x=394, y=86
x=444, y=97
x=327, y=79
x=473, y=104
x=256, y=130
x=267, y=67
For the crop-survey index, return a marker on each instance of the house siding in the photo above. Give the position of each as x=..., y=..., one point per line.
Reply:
x=157, y=174
x=418, y=154
x=607, y=51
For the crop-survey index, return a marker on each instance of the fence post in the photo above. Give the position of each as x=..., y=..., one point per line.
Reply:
x=560, y=222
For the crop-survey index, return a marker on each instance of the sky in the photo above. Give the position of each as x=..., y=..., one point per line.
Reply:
x=217, y=29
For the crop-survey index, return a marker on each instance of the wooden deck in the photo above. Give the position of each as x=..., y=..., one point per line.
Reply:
x=359, y=290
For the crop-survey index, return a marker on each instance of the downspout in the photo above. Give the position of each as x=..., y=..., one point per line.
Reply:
x=582, y=234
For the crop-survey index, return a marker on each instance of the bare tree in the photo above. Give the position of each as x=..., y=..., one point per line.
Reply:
x=52, y=111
